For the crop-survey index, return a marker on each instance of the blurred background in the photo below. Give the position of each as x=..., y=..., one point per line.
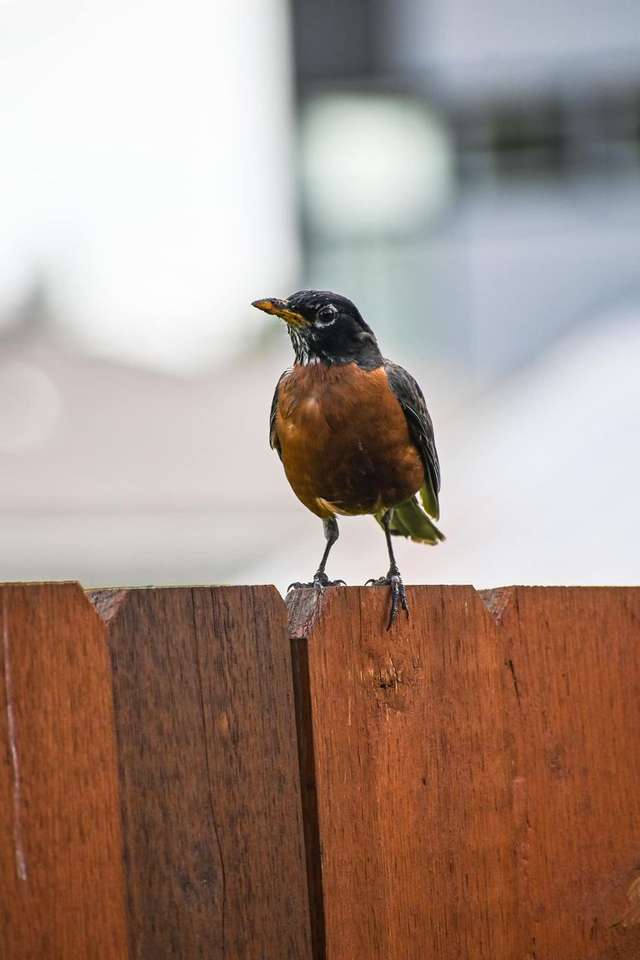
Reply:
x=468, y=173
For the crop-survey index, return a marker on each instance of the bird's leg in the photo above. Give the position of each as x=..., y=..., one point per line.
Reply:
x=392, y=579
x=320, y=579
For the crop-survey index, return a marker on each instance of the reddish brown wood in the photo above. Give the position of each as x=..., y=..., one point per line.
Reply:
x=61, y=876
x=471, y=779
x=210, y=791
x=575, y=656
x=477, y=772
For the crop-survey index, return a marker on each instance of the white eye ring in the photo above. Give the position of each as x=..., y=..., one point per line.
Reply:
x=326, y=315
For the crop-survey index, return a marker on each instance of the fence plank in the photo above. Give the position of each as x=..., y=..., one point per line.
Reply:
x=211, y=808
x=575, y=707
x=61, y=877
x=477, y=772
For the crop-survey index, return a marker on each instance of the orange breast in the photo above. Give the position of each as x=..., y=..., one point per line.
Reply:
x=344, y=440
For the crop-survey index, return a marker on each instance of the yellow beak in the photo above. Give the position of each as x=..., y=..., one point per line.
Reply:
x=279, y=308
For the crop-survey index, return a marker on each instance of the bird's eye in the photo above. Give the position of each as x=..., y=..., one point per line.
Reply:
x=326, y=315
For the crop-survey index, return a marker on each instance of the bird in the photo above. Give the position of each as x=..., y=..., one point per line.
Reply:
x=353, y=431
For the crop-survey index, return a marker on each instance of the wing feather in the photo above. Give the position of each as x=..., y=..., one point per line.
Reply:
x=274, y=440
x=411, y=399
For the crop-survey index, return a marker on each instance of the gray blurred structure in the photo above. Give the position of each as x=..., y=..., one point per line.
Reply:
x=541, y=103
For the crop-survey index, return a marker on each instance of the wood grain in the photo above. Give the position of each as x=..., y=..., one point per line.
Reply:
x=61, y=875
x=575, y=655
x=209, y=775
x=477, y=772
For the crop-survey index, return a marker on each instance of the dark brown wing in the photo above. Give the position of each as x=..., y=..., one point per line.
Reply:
x=274, y=442
x=412, y=401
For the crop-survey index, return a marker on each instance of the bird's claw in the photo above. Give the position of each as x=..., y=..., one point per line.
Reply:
x=398, y=594
x=319, y=582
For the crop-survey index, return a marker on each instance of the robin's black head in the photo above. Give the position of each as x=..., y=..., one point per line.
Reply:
x=325, y=327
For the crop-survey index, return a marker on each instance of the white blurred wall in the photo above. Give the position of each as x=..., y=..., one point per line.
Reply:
x=146, y=169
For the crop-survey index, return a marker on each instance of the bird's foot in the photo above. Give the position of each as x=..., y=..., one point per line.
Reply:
x=398, y=593
x=319, y=582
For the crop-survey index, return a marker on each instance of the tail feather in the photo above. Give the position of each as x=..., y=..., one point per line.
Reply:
x=409, y=520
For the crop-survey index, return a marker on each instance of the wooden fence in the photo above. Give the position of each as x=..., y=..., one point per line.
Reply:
x=184, y=774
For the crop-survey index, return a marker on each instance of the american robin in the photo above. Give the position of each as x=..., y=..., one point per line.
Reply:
x=352, y=430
